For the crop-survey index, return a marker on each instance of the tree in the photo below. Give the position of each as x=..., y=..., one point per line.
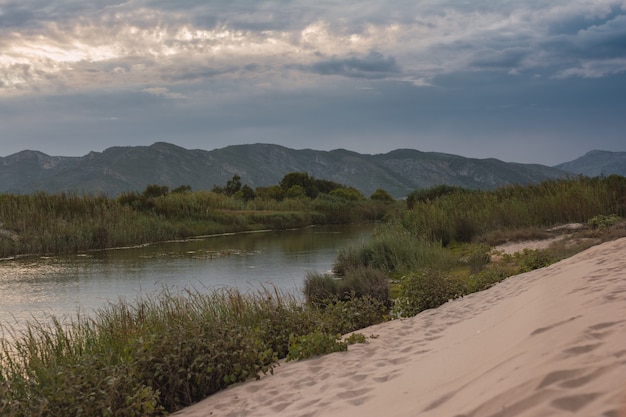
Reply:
x=303, y=180
x=296, y=191
x=154, y=190
x=381, y=195
x=273, y=192
x=182, y=189
x=347, y=193
x=246, y=193
x=233, y=185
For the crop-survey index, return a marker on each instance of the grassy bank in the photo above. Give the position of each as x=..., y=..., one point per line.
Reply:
x=162, y=353
x=67, y=223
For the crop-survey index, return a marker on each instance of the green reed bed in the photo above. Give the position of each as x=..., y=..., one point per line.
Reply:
x=43, y=223
x=394, y=250
x=435, y=249
x=162, y=352
x=462, y=215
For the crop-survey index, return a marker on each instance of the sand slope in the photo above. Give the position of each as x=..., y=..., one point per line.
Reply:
x=546, y=343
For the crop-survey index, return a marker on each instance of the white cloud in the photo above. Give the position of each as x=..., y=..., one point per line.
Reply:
x=131, y=46
x=595, y=69
x=163, y=92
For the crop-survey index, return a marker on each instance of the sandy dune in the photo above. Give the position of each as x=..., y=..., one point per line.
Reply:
x=550, y=342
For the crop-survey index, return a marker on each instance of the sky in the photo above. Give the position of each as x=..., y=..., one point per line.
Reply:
x=522, y=81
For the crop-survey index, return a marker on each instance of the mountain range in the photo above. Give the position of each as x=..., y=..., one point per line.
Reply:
x=132, y=168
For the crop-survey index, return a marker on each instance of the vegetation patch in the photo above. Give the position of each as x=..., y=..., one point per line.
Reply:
x=165, y=352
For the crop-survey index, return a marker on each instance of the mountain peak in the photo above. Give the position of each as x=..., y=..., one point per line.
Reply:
x=597, y=162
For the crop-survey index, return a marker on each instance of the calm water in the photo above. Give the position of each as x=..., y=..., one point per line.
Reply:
x=63, y=285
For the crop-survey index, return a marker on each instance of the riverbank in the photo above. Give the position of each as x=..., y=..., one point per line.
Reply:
x=44, y=224
x=547, y=342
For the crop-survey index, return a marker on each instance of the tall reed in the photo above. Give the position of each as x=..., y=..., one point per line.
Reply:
x=160, y=353
x=462, y=216
x=43, y=223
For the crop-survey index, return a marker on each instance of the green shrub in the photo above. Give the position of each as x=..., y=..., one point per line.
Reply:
x=314, y=344
x=323, y=289
x=531, y=259
x=381, y=195
x=603, y=222
x=394, y=251
x=484, y=279
x=345, y=316
x=319, y=289
x=365, y=281
x=478, y=258
x=355, y=338
x=320, y=343
x=426, y=289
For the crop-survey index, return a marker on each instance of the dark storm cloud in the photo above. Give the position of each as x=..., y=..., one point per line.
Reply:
x=607, y=40
x=374, y=65
x=14, y=15
x=504, y=59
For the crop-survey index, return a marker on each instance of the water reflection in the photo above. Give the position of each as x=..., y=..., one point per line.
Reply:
x=62, y=285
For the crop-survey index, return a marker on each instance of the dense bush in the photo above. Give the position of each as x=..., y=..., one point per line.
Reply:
x=314, y=344
x=381, y=195
x=322, y=289
x=352, y=314
x=394, y=251
x=602, y=222
x=484, y=279
x=427, y=289
x=531, y=259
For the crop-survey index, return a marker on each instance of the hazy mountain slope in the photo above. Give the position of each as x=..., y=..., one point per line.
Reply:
x=120, y=169
x=427, y=169
x=596, y=163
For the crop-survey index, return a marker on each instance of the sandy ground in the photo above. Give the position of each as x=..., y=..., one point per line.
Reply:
x=551, y=342
x=513, y=247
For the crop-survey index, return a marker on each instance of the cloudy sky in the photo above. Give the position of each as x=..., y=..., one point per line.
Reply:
x=524, y=81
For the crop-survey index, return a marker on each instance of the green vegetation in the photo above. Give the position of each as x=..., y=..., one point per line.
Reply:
x=44, y=223
x=464, y=216
x=324, y=289
x=165, y=352
x=319, y=343
x=440, y=246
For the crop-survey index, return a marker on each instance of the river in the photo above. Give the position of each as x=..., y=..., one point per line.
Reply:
x=34, y=288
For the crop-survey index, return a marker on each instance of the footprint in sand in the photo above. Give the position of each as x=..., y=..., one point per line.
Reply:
x=355, y=397
x=579, y=350
x=585, y=379
x=280, y=407
x=573, y=403
x=573, y=378
x=602, y=330
x=558, y=376
x=358, y=377
x=552, y=326
x=315, y=369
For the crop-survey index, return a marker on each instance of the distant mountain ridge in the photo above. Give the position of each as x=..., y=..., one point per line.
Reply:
x=596, y=163
x=132, y=168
